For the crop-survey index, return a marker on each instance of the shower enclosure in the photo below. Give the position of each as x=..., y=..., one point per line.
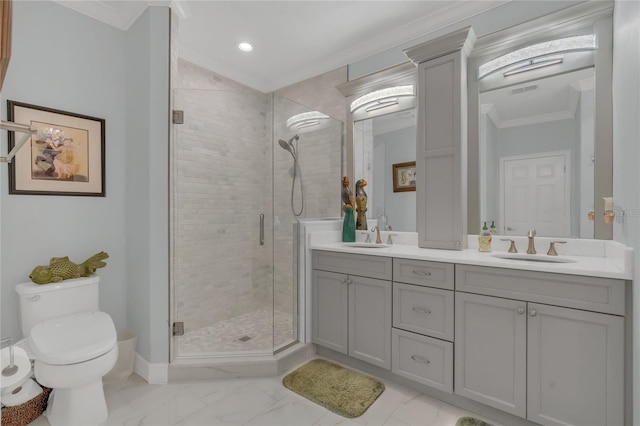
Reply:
x=233, y=228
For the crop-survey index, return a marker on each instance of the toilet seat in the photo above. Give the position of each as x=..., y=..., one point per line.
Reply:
x=72, y=339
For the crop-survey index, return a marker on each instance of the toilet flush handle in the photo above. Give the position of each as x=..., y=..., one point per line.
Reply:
x=34, y=298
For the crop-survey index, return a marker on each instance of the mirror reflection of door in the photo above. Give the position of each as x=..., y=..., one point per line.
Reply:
x=531, y=120
x=378, y=143
x=535, y=194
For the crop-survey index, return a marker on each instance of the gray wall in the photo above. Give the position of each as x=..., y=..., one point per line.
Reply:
x=626, y=154
x=147, y=165
x=91, y=68
x=400, y=207
x=64, y=60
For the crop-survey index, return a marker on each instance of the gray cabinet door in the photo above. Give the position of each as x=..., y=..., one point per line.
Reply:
x=370, y=320
x=440, y=160
x=330, y=305
x=490, y=352
x=441, y=144
x=575, y=367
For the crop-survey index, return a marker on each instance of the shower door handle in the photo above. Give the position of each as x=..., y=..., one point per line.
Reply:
x=261, y=229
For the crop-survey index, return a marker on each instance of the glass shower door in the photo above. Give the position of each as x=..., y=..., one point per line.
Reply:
x=222, y=273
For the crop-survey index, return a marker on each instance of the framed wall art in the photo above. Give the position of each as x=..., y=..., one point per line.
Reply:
x=404, y=177
x=64, y=157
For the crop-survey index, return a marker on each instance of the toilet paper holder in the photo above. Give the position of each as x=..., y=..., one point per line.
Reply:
x=12, y=368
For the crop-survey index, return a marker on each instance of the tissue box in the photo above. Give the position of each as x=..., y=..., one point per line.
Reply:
x=22, y=415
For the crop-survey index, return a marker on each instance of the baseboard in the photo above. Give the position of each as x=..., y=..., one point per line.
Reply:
x=154, y=373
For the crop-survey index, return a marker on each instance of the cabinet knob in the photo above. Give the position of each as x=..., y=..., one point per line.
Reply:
x=533, y=312
x=520, y=311
x=420, y=310
x=420, y=359
x=422, y=273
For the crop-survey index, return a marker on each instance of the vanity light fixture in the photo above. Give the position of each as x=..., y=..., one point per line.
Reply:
x=382, y=98
x=245, y=47
x=521, y=56
x=306, y=119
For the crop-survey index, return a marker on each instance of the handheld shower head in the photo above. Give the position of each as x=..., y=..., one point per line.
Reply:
x=288, y=146
x=285, y=145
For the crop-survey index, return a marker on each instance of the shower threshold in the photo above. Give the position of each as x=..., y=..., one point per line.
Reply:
x=240, y=366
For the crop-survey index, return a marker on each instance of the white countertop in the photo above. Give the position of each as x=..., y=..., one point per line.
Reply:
x=615, y=263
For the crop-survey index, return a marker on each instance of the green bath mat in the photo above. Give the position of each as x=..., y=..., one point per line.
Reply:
x=471, y=421
x=343, y=391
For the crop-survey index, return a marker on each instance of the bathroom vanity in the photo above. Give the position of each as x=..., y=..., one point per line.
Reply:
x=543, y=341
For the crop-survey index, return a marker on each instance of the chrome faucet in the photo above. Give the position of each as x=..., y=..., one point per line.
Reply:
x=377, y=231
x=531, y=248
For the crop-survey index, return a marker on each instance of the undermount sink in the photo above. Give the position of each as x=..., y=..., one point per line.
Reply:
x=532, y=258
x=366, y=245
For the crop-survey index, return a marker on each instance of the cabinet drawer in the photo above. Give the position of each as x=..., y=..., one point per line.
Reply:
x=423, y=310
x=421, y=272
x=574, y=291
x=353, y=264
x=423, y=359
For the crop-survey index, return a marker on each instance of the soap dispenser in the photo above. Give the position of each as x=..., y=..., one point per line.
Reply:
x=492, y=228
x=484, y=239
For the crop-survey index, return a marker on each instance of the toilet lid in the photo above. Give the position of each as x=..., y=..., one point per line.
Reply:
x=73, y=338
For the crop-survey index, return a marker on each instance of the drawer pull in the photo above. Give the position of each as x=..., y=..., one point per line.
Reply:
x=420, y=310
x=422, y=273
x=420, y=359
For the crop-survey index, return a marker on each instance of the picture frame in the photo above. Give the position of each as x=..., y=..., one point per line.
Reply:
x=404, y=176
x=66, y=156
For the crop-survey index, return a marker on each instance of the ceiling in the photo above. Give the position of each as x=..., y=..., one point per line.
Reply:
x=293, y=40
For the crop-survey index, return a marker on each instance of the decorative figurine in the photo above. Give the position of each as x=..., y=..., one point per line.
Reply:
x=348, y=226
x=61, y=268
x=361, y=205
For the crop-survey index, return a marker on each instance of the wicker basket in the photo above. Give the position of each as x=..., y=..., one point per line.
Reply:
x=22, y=415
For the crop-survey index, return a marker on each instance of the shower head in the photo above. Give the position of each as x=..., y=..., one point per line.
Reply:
x=288, y=146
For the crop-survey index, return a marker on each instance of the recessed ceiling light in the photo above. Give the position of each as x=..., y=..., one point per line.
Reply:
x=245, y=47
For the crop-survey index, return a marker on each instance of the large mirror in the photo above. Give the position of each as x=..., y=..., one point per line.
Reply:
x=540, y=137
x=380, y=136
x=536, y=145
x=379, y=143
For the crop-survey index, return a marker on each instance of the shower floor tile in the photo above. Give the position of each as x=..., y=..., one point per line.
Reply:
x=257, y=331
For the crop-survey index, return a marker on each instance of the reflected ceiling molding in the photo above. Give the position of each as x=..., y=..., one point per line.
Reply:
x=307, y=121
x=382, y=98
x=538, y=55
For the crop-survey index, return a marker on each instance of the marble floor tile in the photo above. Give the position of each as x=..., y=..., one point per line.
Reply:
x=426, y=411
x=292, y=410
x=235, y=408
x=260, y=402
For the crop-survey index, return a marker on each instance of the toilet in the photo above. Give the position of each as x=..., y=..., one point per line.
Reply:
x=73, y=344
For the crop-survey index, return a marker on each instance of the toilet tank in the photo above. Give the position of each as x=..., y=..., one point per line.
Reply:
x=40, y=302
